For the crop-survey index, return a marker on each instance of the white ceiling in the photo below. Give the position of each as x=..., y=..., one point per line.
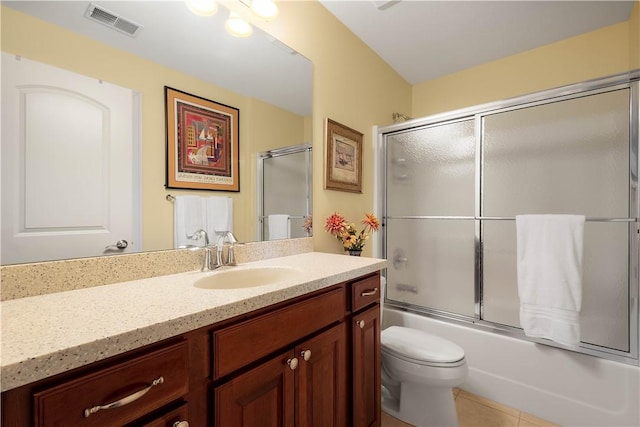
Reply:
x=424, y=39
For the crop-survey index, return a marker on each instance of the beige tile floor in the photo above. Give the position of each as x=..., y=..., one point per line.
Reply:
x=476, y=411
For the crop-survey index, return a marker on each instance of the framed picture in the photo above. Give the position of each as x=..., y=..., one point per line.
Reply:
x=202, y=143
x=344, y=158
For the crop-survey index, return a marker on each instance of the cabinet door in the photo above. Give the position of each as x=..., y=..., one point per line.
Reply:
x=263, y=396
x=366, y=368
x=321, y=380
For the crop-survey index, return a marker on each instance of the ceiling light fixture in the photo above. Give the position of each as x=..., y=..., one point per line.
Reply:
x=265, y=9
x=202, y=7
x=237, y=26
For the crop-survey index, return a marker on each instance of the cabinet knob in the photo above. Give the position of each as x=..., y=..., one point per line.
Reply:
x=293, y=363
x=305, y=354
x=180, y=424
x=360, y=323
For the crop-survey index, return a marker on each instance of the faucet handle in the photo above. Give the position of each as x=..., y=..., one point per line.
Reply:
x=231, y=256
x=230, y=237
x=198, y=234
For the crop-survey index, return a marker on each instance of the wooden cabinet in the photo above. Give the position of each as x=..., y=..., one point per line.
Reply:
x=118, y=394
x=262, y=396
x=305, y=386
x=312, y=361
x=365, y=357
x=321, y=379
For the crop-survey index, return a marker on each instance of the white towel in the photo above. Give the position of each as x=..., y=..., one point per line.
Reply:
x=549, y=253
x=279, y=227
x=189, y=216
x=219, y=216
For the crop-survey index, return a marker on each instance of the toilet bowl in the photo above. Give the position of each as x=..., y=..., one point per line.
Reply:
x=419, y=371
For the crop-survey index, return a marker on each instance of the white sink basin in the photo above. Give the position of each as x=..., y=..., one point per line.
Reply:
x=236, y=278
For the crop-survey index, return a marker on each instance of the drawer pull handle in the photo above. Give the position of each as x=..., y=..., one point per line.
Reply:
x=369, y=292
x=360, y=323
x=180, y=424
x=293, y=363
x=306, y=355
x=125, y=400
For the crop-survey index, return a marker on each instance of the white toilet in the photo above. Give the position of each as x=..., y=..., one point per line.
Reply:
x=419, y=371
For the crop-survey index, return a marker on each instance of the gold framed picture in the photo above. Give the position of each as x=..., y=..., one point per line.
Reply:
x=203, y=148
x=343, y=169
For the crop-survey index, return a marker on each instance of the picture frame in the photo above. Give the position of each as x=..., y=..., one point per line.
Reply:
x=343, y=169
x=202, y=143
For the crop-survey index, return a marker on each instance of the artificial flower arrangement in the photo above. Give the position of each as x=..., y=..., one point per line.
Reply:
x=346, y=232
x=308, y=224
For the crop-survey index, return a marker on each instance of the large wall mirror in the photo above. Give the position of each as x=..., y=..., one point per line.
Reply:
x=155, y=44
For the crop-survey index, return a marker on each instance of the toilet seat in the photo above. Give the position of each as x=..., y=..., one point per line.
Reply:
x=420, y=347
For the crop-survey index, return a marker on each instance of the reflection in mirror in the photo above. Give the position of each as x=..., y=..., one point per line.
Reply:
x=177, y=48
x=284, y=193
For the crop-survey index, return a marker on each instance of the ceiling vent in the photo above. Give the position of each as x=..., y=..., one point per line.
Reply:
x=111, y=20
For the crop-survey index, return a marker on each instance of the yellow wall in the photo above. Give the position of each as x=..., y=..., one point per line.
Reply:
x=599, y=53
x=634, y=36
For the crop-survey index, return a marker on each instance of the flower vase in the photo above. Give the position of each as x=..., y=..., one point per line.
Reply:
x=355, y=252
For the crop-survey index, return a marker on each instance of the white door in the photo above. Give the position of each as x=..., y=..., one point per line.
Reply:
x=67, y=168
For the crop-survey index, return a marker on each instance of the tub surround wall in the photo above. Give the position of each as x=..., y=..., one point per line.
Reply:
x=25, y=280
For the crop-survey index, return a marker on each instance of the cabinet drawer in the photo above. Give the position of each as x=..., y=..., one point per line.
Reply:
x=365, y=291
x=248, y=341
x=128, y=383
x=170, y=419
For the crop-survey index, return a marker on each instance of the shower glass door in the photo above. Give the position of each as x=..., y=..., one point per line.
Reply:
x=568, y=157
x=429, y=221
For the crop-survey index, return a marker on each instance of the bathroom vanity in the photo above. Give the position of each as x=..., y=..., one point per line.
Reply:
x=301, y=351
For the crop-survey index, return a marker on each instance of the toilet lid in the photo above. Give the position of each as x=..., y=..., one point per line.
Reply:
x=408, y=343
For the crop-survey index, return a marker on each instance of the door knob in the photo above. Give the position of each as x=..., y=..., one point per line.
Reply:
x=180, y=424
x=120, y=244
x=305, y=354
x=360, y=323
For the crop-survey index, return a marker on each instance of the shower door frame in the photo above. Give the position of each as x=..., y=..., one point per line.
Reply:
x=630, y=81
x=307, y=149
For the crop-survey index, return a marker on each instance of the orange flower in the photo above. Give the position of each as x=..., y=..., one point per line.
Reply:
x=371, y=222
x=347, y=234
x=335, y=224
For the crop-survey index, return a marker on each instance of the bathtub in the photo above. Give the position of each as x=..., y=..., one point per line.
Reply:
x=563, y=387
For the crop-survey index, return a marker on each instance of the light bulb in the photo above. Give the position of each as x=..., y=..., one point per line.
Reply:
x=266, y=9
x=237, y=26
x=202, y=7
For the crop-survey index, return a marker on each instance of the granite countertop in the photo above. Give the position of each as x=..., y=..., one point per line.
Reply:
x=48, y=334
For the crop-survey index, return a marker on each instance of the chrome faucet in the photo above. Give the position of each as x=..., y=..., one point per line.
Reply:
x=207, y=262
x=231, y=258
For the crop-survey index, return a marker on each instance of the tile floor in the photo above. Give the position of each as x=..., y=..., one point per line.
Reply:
x=476, y=411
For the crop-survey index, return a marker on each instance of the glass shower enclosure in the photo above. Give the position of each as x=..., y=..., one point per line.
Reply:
x=453, y=184
x=284, y=193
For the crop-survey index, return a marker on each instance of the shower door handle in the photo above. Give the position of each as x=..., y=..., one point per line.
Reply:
x=399, y=258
